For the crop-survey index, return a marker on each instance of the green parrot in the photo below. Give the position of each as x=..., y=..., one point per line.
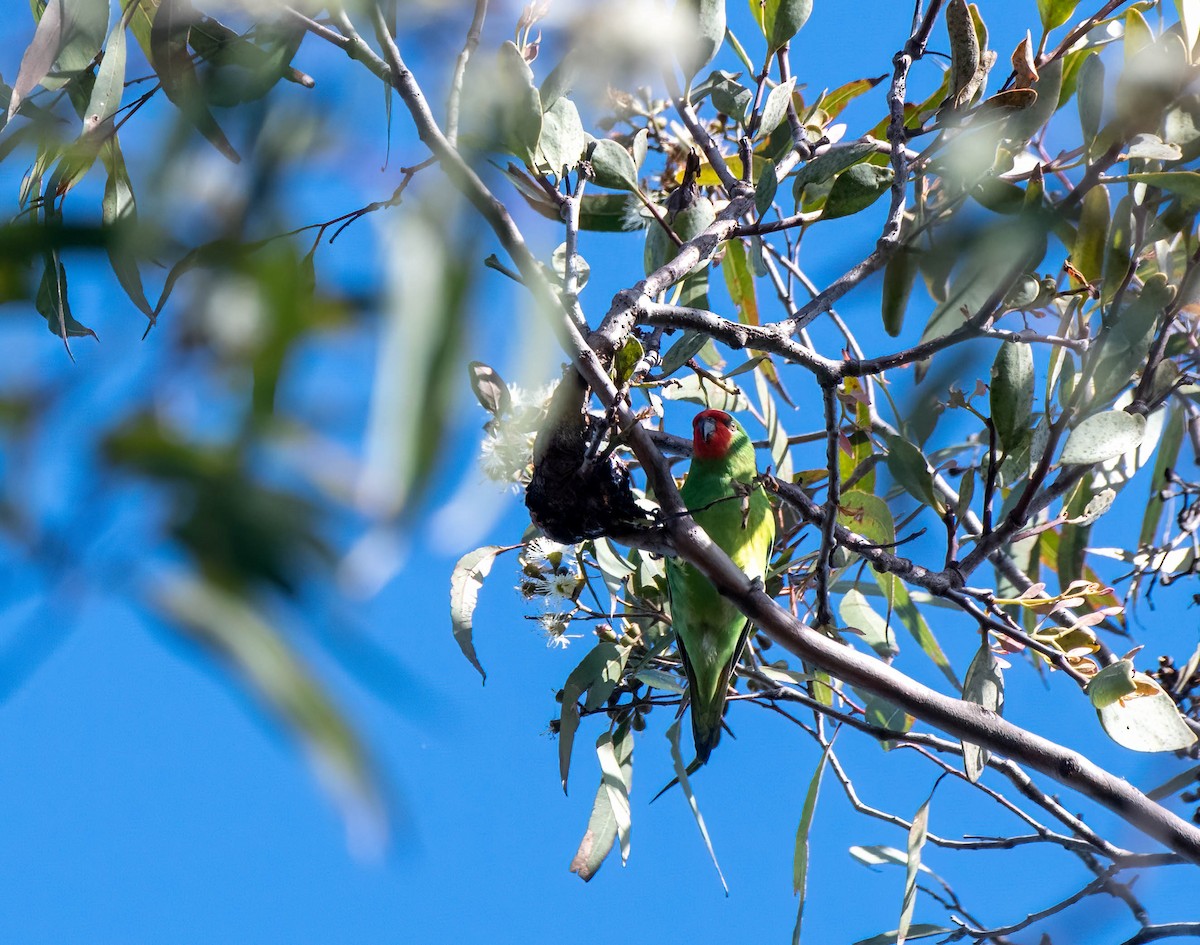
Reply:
x=710, y=630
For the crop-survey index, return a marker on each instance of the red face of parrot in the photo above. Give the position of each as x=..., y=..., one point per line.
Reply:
x=712, y=434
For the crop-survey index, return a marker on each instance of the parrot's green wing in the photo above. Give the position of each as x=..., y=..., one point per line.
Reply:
x=710, y=629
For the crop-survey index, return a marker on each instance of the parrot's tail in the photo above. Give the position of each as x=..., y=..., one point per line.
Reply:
x=706, y=727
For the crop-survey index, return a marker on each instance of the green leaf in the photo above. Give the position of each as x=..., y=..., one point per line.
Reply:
x=780, y=20
x=1087, y=255
x=988, y=266
x=1103, y=436
x=616, y=781
x=519, y=104
x=857, y=614
x=832, y=103
x=682, y=351
x=1184, y=184
x=176, y=71
x=801, y=855
x=886, y=715
x=612, y=166
x=234, y=630
x=916, y=841
x=562, y=138
x=1090, y=99
x=920, y=930
x=53, y=303
x=67, y=38
x=856, y=189
x=911, y=617
x=1011, y=394
x=777, y=438
x=465, y=581
x=110, y=81
x=764, y=190
x=700, y=390
x=775, y=109
x=611, y=808
x=739, y=280
x=983, y=685
x=657, y=679
x=1164, y=458
x=685, y=785
x=911, y=470
x=834, y=161
x=701, y=30
x=1136, y=712
x=119, y=215
x=1055, y=13
x=597, y=675
x=898, y=280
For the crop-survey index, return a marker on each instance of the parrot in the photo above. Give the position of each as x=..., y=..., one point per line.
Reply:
x=709, y=630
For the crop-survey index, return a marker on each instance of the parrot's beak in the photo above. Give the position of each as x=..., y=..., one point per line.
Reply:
x=706, y=427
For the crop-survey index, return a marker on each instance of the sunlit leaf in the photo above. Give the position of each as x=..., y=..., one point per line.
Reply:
x=616, y=761
x=1103, y=436
x=983, y=685
x=800, y=858
x=465, y=582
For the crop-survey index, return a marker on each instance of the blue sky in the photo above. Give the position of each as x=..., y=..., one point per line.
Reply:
x=144, y=795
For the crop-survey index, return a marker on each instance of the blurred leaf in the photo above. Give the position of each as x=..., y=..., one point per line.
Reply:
x=801, y=856
x=701, y=31
x=465, y=582
x=1011, y=394
x=685, y=785
x=616, y=762
x=68, y=36
x=987, y=269
x=658, y=679
x=173, y=65
x=414, y=389
x=518, y=104
x=235, y=631
x=983, y=685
